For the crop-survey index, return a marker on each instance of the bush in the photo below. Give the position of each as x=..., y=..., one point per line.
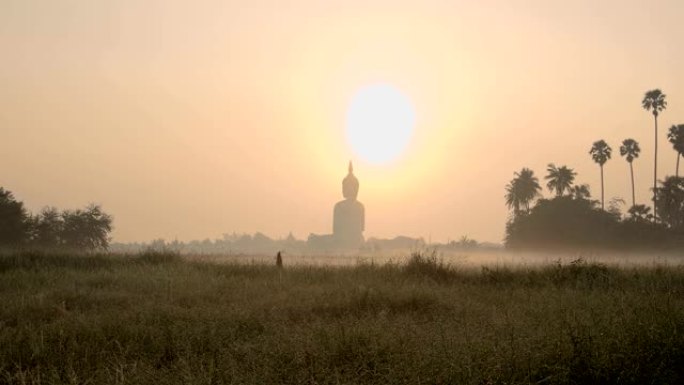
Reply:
x=429, y=265
x=581, y=273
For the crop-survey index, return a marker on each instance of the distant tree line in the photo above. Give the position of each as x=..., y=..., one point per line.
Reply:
x=257, y=243
x=75, y=230
x=571, y=218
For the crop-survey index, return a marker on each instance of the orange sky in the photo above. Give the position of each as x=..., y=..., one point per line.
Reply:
x=191, y=119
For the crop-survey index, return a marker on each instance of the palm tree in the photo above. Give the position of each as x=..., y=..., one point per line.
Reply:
x=640, y=213
x=671, y=201
x=580, y=191
x=654, y=100
x=676, y=137
x=600, y=152
x=513, y=198
x=522, y=190
x=559, y=178
x=630, y=150
x=529, y=187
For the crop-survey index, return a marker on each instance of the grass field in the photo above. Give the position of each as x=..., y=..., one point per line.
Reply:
x=158, y=319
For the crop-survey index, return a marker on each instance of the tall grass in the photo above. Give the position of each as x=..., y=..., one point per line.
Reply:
x=156, y=319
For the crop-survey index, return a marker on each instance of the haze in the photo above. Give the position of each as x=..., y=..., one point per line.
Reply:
x=191, y=119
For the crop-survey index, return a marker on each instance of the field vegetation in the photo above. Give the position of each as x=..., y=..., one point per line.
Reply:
x=157, y=318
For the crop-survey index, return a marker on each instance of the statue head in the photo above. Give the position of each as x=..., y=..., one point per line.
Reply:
x=350, y=185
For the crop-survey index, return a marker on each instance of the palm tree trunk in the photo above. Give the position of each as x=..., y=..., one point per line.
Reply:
x=677, y=169
x=602, y=202
x=631, y=171
x=655, y=168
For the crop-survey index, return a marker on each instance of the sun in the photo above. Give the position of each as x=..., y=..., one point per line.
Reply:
x=380, y=123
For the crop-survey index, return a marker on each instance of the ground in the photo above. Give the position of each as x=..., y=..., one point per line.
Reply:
x=160, y=319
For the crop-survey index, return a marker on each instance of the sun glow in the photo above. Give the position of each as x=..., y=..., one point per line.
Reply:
x=380, y=123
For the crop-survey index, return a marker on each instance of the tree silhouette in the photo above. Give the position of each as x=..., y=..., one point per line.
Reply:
x=13, y=220
x=562, y=222
x=76, y=230
x=522, y=190
x=559, y=178
x=630, y=150
x=676, y=136
x=512, y=197
x=600, y=152
x=86, y=229
x=581, y=192
x=654, y=101
x=575, y=220
x=46, y=228
x=640, y=213
x=671, y=201
x=614, y=206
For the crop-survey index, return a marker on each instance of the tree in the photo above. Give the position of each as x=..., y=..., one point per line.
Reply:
x=676, y=136
x=654, y=101
x=47, y=228
x=630, y=150
x=600, y=152
x=614, y=206
x=86, y=229
x=562, y=222
x=559, y=178
x=580, y=192
x=522, y=190
x=513, y=198
x=13, y=220
x=638, y=231
x=671, y=202
x=640, y=213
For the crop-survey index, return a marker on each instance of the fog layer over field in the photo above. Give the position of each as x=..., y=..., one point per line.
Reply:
x=458, y=259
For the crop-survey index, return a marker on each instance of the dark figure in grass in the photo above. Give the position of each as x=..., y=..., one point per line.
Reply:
x=279, y=261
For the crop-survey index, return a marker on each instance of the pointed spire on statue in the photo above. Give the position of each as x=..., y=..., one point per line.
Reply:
x=350, y=185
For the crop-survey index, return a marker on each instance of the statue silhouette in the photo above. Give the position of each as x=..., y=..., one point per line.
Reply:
x=349, y=214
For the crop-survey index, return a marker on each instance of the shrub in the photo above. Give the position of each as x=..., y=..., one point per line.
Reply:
x=581, y=273
x=429, y=265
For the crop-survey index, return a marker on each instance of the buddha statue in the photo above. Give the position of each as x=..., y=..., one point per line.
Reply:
x=349, y=214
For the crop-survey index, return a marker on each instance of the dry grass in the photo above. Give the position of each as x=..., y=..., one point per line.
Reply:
x=160, y=320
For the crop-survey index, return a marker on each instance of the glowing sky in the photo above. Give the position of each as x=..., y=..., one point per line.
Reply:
x=191, y=119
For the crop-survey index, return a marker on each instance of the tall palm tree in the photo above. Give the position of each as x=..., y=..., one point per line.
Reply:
x=522, y=190
x=512, y=196
x=676, y=137
x=630, y=150
x=529, y=187
x=600, y=152
x=559, y=178
x=654, y=101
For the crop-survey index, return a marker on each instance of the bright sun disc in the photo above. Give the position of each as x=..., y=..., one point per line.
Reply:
x=380, y=123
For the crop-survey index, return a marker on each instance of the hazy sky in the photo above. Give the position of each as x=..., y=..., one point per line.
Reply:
x=190, y=119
